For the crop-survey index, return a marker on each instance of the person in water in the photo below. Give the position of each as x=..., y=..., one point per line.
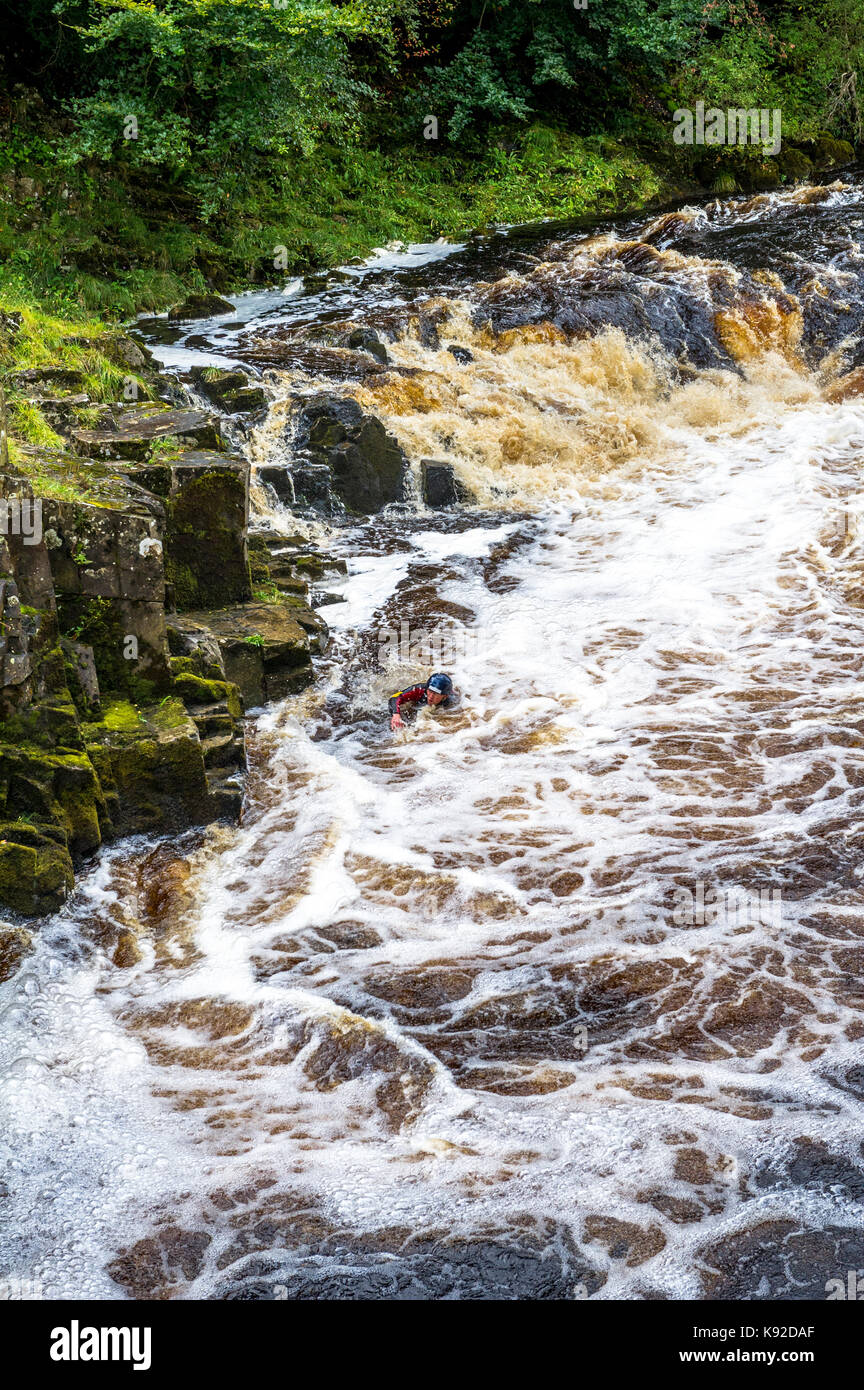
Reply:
x=438, y=690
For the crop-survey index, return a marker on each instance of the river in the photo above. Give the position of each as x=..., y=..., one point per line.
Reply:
x=560, y=995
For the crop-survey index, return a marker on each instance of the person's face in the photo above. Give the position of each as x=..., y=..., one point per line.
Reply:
x=434, y=697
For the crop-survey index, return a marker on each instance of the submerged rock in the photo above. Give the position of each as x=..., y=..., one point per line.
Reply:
x=440, y=486
x=367, y=339
x=15, y=944
x=199, y=306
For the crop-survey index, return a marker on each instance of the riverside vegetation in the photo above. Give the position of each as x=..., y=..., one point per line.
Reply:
x=155, y=155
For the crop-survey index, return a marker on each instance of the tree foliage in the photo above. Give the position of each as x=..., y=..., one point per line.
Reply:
x=214, y=91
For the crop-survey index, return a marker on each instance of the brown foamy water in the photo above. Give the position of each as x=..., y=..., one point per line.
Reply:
x=561, y=995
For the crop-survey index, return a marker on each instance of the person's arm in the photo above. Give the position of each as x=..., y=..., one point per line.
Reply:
x=411, y=696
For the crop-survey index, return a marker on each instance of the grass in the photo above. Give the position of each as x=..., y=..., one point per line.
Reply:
x=116, y=247
x=75, y=341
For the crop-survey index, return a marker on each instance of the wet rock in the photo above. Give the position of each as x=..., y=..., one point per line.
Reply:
x=301, y=484
x=422, y=988
x=849, y=1079
x=367, y=339
x=783, y=1259
x=15, y=945
x=136, y=431
x=58, y=791
x=366, y=467
x=127, y=952
x=206, y=499
x=345, y=1047
x=846, y=387
x=334, y=364
x=439, y=484
x=351, y=936
x=625, y=1240
x=462, y=354
x=35, y=869
x=151, y=767
x=161, y=1264
x=228, y=389
x=813, y=1166
x=265, y=650
x=199, y=306
x=108, y=571
x=216, y=709
x=195, y=643
x=487, y=1267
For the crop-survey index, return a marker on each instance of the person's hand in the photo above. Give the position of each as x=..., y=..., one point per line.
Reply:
x=397, y=722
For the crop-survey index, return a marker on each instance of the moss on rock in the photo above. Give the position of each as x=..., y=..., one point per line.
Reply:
x=35, y=878
x=152, y=760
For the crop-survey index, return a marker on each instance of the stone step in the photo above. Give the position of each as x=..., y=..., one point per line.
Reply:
x=216, y=719
x=275, y=543
x=136, y=430
x=223, y=750
x=226, y=797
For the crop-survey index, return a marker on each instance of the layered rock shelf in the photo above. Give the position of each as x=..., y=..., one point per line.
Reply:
x=135, y=633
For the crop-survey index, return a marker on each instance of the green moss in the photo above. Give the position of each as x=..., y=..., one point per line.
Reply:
x=96, y=623
x=183, y=581
x=794, y=164
x=118, y=717
x=168, y=714
x=59, y=787
x=47, y=724
x=17, y=877
x=195, y=690
x=167, y=447
x=204, y=540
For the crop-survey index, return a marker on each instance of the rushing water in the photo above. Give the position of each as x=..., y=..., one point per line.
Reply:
x=563, y=994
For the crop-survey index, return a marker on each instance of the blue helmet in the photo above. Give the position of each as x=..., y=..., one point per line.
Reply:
x=441, y=684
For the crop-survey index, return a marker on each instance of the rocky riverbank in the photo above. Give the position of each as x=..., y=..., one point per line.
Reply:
x=139, y=620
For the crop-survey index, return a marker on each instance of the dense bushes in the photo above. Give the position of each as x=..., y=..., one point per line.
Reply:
x=209, y=89
x=151, y=146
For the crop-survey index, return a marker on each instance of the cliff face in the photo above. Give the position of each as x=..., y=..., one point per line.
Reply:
x=129, y=626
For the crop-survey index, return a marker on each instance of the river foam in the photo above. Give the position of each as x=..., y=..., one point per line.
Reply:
x=559, y=996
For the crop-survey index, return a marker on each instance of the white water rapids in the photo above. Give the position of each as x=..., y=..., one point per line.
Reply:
x=429, y=1023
